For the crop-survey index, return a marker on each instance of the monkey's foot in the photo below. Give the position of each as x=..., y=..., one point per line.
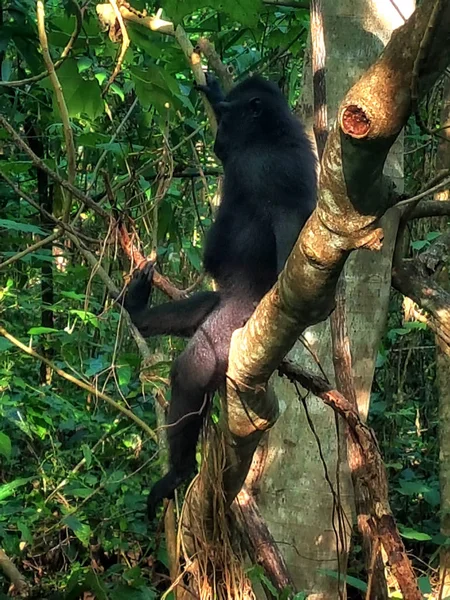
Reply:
x=139, y=289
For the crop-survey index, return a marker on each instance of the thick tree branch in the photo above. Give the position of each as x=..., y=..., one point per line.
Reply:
x=410, y=280
x=353, y=195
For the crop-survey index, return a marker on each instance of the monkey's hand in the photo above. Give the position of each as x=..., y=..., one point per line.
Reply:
x=139, y=289
x=212, y=89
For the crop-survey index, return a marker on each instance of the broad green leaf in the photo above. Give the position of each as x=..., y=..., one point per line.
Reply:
x=195, y=257
x=81, y=530
x=85, y=316
x=413, y=534
x=42, y=330
x=22, y=227
x=425, y=585
x=95, y=365
x=8, y=489
x=82, y=96
x=5, y=445
x=419, y=244
x=124, y=374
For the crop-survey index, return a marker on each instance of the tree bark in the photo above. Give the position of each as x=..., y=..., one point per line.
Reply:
x=295, y=497
x=353, y=195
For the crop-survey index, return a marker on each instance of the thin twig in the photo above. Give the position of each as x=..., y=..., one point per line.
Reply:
x=124, y=47
x=62, y=106
x=41, y=165
x=82, y=384
x=64, y=54
x=47, y=240
x=407, y=206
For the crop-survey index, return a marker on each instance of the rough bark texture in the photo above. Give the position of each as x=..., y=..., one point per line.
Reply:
x=295, y=497
x=409, y=279
x=353, y=195
x=372, y=479
x=437, y=259
x=261, y=546
x=364, y=499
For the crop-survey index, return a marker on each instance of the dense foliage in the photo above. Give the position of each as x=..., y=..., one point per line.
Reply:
x=74, y=472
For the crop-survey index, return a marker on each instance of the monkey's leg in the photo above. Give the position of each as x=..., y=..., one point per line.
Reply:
x=181, y=317
x=194, y=374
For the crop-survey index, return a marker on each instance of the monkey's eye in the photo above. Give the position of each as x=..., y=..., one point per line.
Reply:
x=255, y=106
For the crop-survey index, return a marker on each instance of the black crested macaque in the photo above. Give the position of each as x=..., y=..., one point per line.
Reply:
x=269, y=192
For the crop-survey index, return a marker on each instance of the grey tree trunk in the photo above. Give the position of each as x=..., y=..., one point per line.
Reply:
x=300, y=492
x=443, y=368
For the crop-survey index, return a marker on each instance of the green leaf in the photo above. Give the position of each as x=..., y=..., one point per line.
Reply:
x=82, y=96
x=81, y=530
x=124, y=374
x=246, y=12
x=22, y=227
x=42, y=330
x=419, y=244
x=5, y=445
x=27, y=536
x=425, y=585
x=16, y=167
x=130, y=593
x=95, y=365
x=349, y=580
x=5, y=344
x=73, y=296
x=85, y=316
x=413, y=534
x=87, y=455
x=411, y=488
x=8, y=489
x=195, y=257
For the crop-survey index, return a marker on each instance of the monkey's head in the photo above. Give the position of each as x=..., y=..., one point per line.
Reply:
x=252, y=114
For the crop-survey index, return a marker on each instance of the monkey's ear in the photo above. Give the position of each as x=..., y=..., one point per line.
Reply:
x=255, y=105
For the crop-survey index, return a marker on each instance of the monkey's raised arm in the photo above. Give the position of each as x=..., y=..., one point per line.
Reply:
x=213, y=92
x=180, y=318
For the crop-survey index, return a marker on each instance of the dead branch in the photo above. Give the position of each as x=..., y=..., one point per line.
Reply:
x=18, y=581
x=262, y=548
x=409, y=278
x=371, y=476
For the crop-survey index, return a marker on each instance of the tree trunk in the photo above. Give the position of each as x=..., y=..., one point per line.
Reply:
x=443, y=367
x=296, y=498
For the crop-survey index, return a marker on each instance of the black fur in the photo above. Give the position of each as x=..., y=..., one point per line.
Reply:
x=268, y=194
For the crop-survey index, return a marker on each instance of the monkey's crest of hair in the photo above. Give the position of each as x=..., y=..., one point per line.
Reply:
x=256, y=85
